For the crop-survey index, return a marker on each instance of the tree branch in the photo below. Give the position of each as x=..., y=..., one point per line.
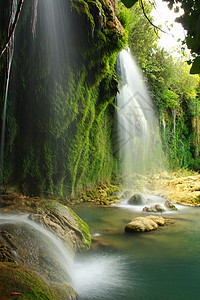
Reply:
x=155, y=27
x=13, y=27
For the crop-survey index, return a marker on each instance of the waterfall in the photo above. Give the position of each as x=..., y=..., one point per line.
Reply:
x=53, y=22
x=139, y=143
x=9, y=58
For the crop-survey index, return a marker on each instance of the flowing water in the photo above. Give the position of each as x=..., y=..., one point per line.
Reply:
x=161, y=264
x=40, y=244
x=9, y=58
x=139, y=142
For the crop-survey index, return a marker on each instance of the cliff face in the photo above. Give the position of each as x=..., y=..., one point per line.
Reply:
x=59, y=114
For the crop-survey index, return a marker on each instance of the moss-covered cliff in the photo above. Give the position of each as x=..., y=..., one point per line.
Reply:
x=59, y=115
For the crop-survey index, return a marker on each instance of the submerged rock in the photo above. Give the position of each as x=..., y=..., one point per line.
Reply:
x=169, y=205
x=141, y=224
x=154, y=208
x=136, y=199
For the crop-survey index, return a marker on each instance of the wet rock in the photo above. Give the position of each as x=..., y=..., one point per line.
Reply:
x=154, y=208
x=136, y=199
x=169, y=205
x=149, y=209
x=159, y=208
x=64, y=223
x=141, y=224
x=6, y=254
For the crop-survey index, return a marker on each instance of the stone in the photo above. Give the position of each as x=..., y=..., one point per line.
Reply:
x=142, y=224
x=136, y=199
x=158, y=219
x=149, y=209
x=154, y=208
x=159, y=208
x=169, y=205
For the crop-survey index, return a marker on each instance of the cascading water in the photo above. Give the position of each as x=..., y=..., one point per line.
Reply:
x=49, y=247
x=9, y=58
x=138, y=134
x=55, y=31
x=46, y=55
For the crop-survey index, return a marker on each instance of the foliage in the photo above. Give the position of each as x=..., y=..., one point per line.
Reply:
x=129, y=3
x=190, y=22
x=142, y=36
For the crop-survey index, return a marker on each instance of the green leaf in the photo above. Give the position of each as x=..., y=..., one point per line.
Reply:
x=129, y=3
x=195, y=69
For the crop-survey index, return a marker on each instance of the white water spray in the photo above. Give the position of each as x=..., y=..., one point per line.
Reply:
x=138, y=132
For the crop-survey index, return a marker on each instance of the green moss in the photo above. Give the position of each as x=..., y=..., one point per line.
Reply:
x=15, y=278
x=62, y=213
x=84, y=228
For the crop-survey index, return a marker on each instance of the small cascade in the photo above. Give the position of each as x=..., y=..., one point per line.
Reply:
x=139, y=143
x=9, y=58
x=49, y=247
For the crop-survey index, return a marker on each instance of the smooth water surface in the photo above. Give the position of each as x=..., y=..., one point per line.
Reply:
x=162, y=264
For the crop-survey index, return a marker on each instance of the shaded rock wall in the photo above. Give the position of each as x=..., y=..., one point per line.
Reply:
x=58, y=130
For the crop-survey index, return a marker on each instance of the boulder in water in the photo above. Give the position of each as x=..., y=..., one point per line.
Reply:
x=149, y=209
x=169, y=205
x=159, y=208
x=141, y=224
x=154, y=208
x=136, y=199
